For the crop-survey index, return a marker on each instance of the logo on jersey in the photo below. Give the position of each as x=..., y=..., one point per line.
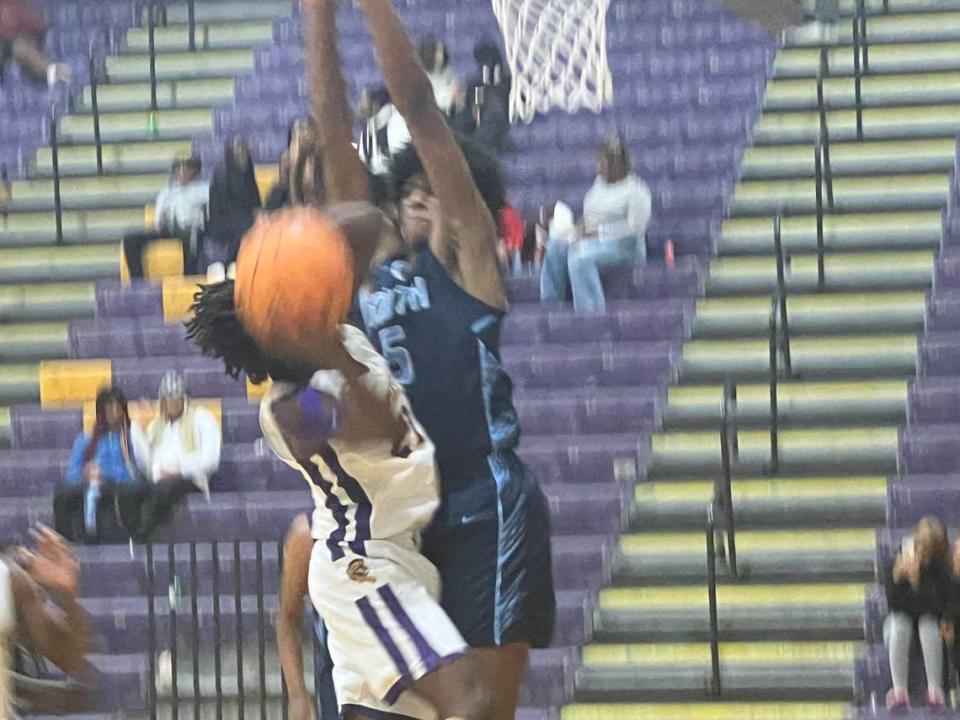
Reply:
x=381, y=307
x=357, y=571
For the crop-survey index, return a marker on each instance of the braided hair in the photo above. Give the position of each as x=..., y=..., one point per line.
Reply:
x=217, y=331
x=100, y=427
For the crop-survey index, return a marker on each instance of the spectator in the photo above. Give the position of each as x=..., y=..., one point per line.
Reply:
x=384, y=133
x=511, y=234
x=234, y=202
x=916, y=587
x=447, y=88
x=951, y=613
x=301, y=169
x=486, y=111
x=185, y=443
x=180, y=212
x=616, y=212
x=22, y=33
x=100, y=499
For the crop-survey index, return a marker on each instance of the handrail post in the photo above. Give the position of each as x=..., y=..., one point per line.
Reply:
x=151, y=637
x=774, y=391
x=784, y=339
x=824, y=130
x=862, y=18
x=818, y=173
x=95, y=109
x=192, y=25
x=55, y=158
x=715, y=680
x=152, y=47
x=858, y=75
x=728, y=451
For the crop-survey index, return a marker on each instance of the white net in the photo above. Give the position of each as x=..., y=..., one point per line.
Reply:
x=557, y=53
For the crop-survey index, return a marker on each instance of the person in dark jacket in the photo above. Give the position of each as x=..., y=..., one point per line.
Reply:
x=486, y=112
x=234, y=202
x=916, y=588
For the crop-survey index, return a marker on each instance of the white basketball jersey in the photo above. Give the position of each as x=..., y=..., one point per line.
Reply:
x=364, y=490
x=8, y=624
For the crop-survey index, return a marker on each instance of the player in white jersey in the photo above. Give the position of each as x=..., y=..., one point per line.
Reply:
x=336, y=414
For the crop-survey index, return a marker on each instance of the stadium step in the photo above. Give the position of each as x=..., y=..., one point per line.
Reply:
x=812, y=358
x=211, y=34
x=766, y=502
x=39, y=302
x=799, y=404
x=81, y=193
x=842, y=272
x=57, y=264
x=872, y=232
x=223, y=12
x=895, y=312
x=707, y=711
x=850, y=449
x=147, y=157
x=866, y=158
x=876, y=91
x=884, y=59
x=171, y=95
x=850, y=194
x=786, y=670
x=180, y=65
x=819, y=555
x=138, y=126
x=21, y=230
x=921, y=121
x=929, y=23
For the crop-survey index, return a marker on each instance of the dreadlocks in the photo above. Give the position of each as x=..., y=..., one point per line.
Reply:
x=216, y=329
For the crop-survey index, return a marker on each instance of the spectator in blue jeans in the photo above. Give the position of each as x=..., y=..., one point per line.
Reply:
x=616, y=212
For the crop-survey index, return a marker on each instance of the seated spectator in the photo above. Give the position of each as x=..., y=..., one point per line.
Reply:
x=511, y=235
x=301, y=169
x=384, y=133
x=951, y=609
x=22, y=33
x=234, y=202
x=616, y=212
x=99, y=501
x=447, y=88
x=180, y=212
x=916, y=585
x=185, y=444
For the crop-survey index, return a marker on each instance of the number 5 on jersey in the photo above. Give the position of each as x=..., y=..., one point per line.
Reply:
x=401, y=364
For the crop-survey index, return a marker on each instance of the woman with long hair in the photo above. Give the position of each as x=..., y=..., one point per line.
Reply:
x=916, y=588
x=234, y=202
x=98, y=501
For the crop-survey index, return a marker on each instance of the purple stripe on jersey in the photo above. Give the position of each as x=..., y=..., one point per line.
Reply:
x=356, y=493
x=427, y=654
x=336, y=508
x=373, y=621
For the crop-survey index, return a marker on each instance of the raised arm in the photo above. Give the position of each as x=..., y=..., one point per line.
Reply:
x=344, y=175
x=293, y=591
x=471, y=253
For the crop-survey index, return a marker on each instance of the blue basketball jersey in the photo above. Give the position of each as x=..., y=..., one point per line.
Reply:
x=443, y=345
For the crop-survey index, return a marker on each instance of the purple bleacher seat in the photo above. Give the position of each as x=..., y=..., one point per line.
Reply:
x=140, y=299
x=929, y=449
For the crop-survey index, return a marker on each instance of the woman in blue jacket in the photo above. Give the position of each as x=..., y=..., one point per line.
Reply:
x=99, y=500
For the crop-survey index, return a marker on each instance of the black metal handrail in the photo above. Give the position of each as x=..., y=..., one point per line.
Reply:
x=715, y=680
x=192, y=25
x=824, y=131
x=818, y=190
x=95, y=109
x=729, y=451
x=152, y=49
x=55, y=160
x=774, y=378
x=858, y=72
x=783, y=336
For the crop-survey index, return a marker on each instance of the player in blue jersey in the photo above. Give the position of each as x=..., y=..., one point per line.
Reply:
x=434, y=307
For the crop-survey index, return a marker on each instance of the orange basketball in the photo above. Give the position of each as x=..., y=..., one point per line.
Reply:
x=294, y=278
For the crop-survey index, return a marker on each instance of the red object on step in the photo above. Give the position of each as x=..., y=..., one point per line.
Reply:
x=668, y=255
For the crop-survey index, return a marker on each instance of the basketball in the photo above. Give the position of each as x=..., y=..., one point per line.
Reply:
x=294, y=278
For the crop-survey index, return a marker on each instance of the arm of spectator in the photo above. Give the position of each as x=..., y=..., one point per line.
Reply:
x=344, y=175
x=639, y=210
x=297, y=549
x=472, y=245
x=161, y=211
x=61, y=635
x=141, y=449
x=205, y=460
x=75, y=467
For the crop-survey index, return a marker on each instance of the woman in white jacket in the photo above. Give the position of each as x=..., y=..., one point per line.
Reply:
x=616, y=212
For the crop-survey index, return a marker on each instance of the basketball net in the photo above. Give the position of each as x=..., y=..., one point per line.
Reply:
x=557, y=53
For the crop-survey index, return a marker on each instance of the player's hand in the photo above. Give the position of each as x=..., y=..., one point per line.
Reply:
x=947, y=631
x=301, y=708
x=51, y=564
x=426, y=210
